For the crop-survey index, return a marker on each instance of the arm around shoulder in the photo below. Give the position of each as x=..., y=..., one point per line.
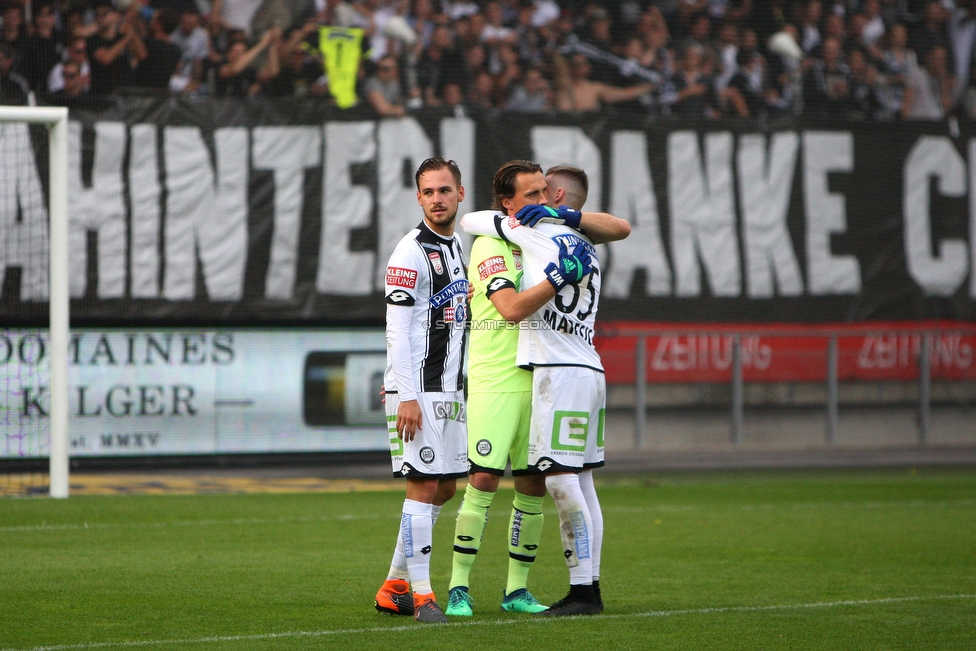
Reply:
x=603, y=227
x=480, y=222
x=517, y=306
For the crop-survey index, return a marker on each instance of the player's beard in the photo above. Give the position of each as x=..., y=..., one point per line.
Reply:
x=444, y=220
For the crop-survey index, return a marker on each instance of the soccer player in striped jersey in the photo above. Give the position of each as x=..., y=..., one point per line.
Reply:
x=426, y=317
x=499, y=393
x=569, y=390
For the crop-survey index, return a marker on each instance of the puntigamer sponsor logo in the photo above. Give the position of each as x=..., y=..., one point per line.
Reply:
x=443, y=297
x=400, y=277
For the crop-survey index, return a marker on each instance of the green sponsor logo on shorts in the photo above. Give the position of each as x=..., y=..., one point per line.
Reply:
x=569, y=429
x=396, y=443
x=600, y=429
x=396, y=446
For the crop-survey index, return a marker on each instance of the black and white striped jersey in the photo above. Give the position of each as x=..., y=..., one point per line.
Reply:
x=426, y=314
x=561, y=331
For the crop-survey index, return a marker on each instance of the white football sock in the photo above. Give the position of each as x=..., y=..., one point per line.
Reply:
x=574, y=526
x=596, y=518
x=398, y=568
x=416, y=533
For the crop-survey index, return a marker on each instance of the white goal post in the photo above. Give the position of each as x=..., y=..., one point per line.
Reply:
x=56, y=120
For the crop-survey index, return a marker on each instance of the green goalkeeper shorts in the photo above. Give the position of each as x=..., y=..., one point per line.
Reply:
x=498, y=431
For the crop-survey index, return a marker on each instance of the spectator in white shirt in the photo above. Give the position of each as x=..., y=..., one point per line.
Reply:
x=810, y=37
x=962, y=37
x=928, y=95
x=546, y=11
x=194, y=43
x=494, y=32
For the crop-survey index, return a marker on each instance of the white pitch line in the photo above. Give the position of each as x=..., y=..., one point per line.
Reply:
x=508, y=622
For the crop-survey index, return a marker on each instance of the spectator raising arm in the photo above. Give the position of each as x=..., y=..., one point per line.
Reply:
x=272, y=67
x=107, y=55
x=238, y=64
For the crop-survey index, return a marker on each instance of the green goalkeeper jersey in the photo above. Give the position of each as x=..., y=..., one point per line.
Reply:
x=495, y=265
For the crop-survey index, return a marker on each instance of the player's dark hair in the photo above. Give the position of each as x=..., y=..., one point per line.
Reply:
x=438, y=163
x=503, y=185
x=574, y=183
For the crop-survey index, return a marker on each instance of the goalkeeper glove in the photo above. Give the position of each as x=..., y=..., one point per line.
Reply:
x=571, y=267
x=535, y=213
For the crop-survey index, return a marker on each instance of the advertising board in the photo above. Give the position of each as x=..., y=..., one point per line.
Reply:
x=881, y=351
x=178, y=392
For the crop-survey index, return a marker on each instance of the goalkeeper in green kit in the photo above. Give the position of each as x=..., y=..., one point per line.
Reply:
x=500, y=394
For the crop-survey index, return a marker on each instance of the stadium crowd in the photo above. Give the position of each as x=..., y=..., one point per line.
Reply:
x=855, y=59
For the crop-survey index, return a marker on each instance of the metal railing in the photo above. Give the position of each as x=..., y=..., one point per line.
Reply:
x=923, y=362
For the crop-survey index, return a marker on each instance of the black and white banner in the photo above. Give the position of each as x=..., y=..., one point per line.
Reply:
x=226, y=212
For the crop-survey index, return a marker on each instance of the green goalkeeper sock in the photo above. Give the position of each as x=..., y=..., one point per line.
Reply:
x=525, y=532
x=468, y=532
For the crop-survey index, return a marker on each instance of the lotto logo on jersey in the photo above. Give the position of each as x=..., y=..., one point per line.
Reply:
x=399, y=297
x=491, y=266
x=400, y=277
x=499, y=283
x=517, y=256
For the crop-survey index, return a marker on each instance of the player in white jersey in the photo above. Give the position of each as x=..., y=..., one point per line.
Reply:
x=426, y=314
x=569, y=389
x=499, y=407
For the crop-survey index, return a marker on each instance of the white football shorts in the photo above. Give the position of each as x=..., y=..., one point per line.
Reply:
x=439, y=450
x=568, y=416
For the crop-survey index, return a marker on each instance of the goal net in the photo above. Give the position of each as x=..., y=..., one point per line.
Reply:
x=34, y=294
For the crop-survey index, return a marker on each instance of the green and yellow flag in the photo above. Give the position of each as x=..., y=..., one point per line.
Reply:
x=341, y=49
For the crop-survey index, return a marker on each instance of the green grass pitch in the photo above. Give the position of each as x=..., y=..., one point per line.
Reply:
x=869, y=559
